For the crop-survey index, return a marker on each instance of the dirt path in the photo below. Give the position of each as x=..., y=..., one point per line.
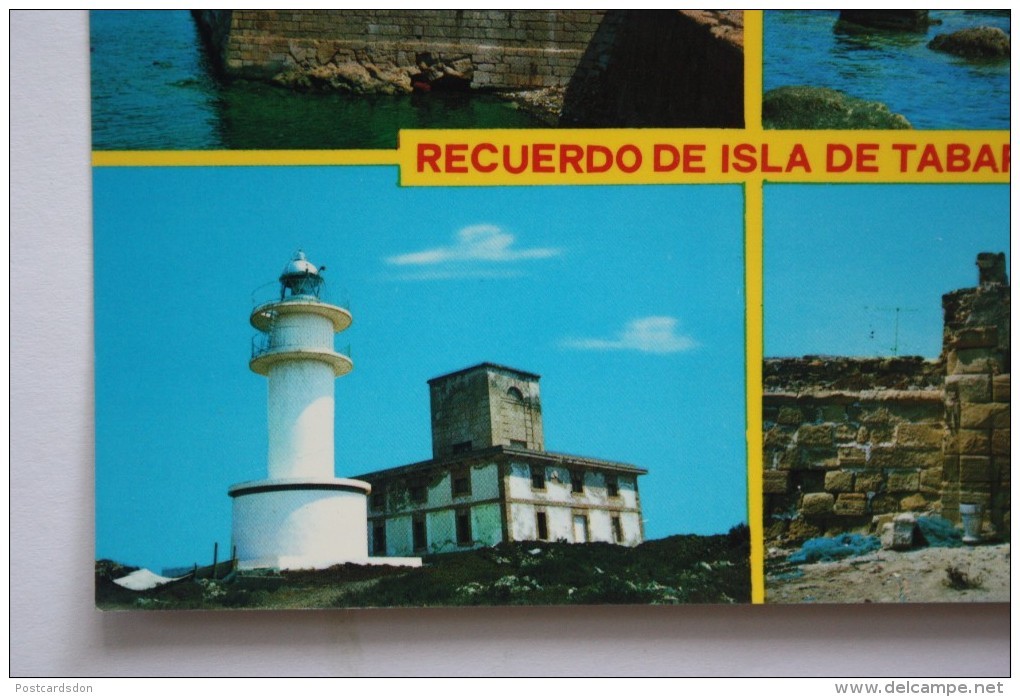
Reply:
x=918, y=576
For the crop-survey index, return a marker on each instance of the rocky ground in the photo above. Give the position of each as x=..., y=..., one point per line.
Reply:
x=544, y=104
x=928, y=575
x=674, y=570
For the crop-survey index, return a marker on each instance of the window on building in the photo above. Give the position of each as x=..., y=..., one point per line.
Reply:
x=577, y=482
x=515, y=394
x=538, y=476
x=522, y=444
x=461, y=483
x=379, y=538
x=542, y=523
x=617, y=529
x=580, y=527
x=464, y=527
x=462, y=447
x=378, y=497
x=418, y=536
x=612, y=485
x=419, y=492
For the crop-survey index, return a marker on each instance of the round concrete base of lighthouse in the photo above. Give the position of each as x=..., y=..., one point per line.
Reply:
x=304, y=524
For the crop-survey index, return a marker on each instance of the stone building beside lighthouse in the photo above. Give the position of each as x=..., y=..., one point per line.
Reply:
x=490, y=478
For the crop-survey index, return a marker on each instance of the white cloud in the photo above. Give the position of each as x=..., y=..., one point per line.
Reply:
x=475, y=243
x=442, y=274
x=645, y=334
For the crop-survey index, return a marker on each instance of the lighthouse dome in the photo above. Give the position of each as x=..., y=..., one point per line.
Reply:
x=300, y=278
x=299, y=266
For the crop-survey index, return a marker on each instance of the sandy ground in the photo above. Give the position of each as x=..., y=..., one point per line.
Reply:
x=917, y=576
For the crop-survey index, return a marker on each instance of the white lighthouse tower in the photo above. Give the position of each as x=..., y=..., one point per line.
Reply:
x=302, y=516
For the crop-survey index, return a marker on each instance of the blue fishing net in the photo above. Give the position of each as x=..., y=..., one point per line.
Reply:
x=939, y=532
x=820, y=549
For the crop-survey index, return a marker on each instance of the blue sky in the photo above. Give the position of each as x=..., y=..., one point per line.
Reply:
x=839, y=260
x=627, y=300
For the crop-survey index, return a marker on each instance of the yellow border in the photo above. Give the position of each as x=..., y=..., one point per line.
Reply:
x=754, y=343
x=754, y=338
x=241, y=158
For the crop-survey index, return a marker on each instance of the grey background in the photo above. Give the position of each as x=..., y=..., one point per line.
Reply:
x=55, y=630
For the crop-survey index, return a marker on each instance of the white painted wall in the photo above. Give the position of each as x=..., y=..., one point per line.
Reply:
x=560, y=524
x=300, y=414
x=558, y=487
x=560, y=504
x=300, y=529
x=304, y=329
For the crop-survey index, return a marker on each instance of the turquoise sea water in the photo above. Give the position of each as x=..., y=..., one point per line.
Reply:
x=932, y=90
x=152, y=89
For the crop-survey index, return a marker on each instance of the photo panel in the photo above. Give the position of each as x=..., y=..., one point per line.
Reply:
x=886, y=447
x=532, y=395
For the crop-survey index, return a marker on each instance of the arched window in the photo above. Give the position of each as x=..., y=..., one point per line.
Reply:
x=515, y=394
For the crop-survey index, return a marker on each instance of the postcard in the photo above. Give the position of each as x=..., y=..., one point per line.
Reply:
x=450, y=307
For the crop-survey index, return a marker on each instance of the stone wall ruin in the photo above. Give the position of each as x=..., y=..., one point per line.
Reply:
x=597, y=67
x=849, y=443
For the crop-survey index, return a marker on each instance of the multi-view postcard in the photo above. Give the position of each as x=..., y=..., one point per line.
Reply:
x=451, y=307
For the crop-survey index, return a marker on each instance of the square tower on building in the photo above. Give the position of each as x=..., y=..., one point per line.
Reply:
x=484, y=406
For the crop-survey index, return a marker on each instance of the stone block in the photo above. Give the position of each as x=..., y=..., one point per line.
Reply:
x=817, y=504
x=975, y=469
x=875, y=417
x=914, y=502
x=899, y=534
x=970, y=388
x=891, y=457
x=972, y=441
x=775, y=482
x=868, y=481
x=788, y=459
x=811, y=436
x=845, y=433
x=1000, y=441
x=921, y=436
x=975, y=360
x=837, y=481
x=776, y=437
x=930, y=480
x=885, y=503
x=863, y=435
x=995, y=415
x=849, y=452
x=977, y=337
x=901, y=482
x=851, y=505
x=853, y=462
x=880, y=434
x=880, y=521
x=1000, y=388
